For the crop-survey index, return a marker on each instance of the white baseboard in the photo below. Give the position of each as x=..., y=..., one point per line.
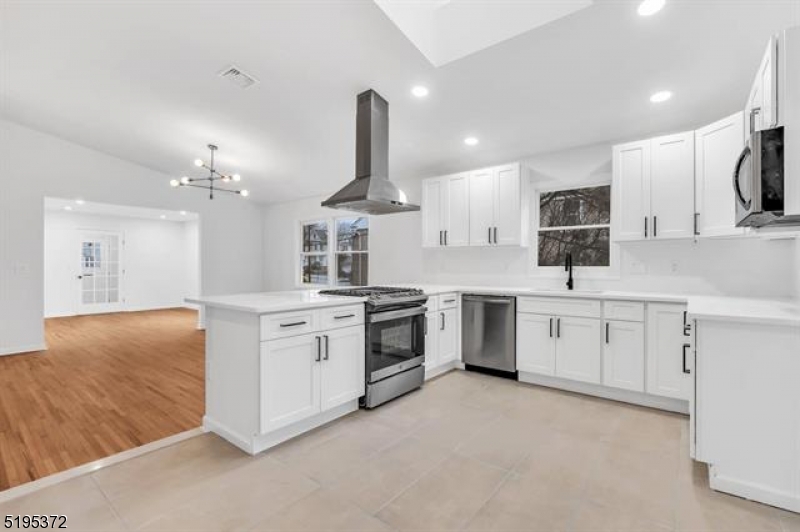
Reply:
x=441, y=370
x=754, y=492
x=46, y=482
x=615, y=394
x=22, y=349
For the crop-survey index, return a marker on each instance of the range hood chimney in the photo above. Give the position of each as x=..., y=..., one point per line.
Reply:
x=371, y=191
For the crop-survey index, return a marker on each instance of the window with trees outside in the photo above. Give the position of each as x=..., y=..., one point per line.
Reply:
x=576, y=221
x=347, y=252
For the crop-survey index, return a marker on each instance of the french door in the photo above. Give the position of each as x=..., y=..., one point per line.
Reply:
x=100, y=272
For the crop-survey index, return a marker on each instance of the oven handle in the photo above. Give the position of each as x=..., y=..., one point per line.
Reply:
x=395, y=314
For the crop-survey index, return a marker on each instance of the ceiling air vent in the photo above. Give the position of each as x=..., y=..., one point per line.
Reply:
x=236, y=76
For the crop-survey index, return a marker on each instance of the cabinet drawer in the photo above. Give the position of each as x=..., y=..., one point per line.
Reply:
x=288, y=324
x=448, y=301
x=582, y=308
x=333, y=318
x=623, y=310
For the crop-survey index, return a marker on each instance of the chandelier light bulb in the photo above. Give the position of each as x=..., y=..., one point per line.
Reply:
x=174, y=183
x=237, y=177
x=245, y=193
x=212, y=181
x=226, y=178
x=198, y=162
x=185, y=180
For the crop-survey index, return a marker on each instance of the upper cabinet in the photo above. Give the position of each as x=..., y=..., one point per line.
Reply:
x=653, y=187
x=761, y=111
x=445, y=211
x=486, y=207
x=717, y=146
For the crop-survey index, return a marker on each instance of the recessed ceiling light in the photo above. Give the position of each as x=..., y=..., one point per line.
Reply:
x=471, y=141
x=79, y=201
x=650, y=7
x=419, y=91
x=163, y=216
x=183, y=213
x=661, y=96
x=67, y=208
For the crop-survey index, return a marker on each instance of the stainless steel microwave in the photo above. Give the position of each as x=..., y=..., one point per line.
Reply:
x=758, y=180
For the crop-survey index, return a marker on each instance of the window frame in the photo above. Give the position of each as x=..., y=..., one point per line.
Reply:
x=585, y=272
x=332, y=253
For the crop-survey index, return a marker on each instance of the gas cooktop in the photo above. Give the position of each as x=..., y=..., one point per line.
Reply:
x=381, y=295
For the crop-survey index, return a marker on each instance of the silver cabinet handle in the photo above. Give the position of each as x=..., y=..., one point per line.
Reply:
x=441, y=327
x=343, y=316
x=445, y=237
x=449, y=300
x=327, y=340
x=293, y=324
x=696, y=232
x=558, y=327
x=685, y=369
x=645, y=226
x=495, y=235
x=606, y=332
x=551, y=327
x=319, y=348
x=655, y=226
x=490, y=235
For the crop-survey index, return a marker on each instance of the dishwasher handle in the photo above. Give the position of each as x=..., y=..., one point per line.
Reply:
x=494, y=301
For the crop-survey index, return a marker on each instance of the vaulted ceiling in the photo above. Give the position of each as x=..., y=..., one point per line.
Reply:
x=138, y=80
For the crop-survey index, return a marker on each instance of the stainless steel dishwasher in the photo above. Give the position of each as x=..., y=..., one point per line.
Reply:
x=489, y=332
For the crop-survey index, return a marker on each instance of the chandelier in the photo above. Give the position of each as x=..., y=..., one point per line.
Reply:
x=208, y=183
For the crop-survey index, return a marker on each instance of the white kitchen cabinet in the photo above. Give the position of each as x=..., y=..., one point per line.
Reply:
x=667, y=371
x=431, y=340
x=761, y=111
x=342, y=365
x=507, y=206
x=447, y=335
x=717, y=146
x=631, y=187
x=290, y=380
x=481, y=207
x=445, y=211
x=578, y=351
x=672, y=186
x=653, y=183
x=623, y=355
x=536, y=344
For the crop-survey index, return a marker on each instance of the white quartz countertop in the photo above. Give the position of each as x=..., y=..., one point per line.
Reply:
x=764, y=311
x=268, y=302
x=767, y=311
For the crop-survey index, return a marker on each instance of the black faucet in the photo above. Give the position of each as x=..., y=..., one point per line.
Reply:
x=568, y=268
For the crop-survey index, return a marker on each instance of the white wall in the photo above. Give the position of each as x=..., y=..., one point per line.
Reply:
x=34, y=165
x=159, y=260
x=742, y=267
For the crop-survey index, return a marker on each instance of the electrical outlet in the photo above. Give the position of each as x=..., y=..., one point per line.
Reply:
x=673, y=266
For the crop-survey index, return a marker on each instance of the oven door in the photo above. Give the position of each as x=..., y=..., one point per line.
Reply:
x=395, y=341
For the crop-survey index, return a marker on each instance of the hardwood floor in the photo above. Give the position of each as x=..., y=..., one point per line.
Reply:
x=106, y=384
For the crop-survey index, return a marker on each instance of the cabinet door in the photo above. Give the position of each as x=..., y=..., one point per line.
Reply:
x=717, y=147
x=672, y=186
x=457, y=210
x=448, y=335
x=507, y=215
x=481, y=207
x=632, y=190
x=432, y=191
x=536, y=343
x=578, y=351
x=623, y=355
x=342, y=366
x=665, y=342
x=431, y=340
x=290, y=381
x=761, y=111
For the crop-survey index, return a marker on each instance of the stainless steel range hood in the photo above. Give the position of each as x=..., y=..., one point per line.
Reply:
x=371, y=191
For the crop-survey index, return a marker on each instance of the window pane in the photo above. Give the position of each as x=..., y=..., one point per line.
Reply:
x=352, y=269
x=314, y=269
x=315, y=237
x=352, y=234
x=580, y=206
x=589, y=247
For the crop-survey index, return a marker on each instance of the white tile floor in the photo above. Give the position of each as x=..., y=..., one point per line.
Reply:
x=467, y=452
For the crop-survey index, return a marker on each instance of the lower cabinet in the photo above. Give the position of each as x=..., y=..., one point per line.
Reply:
x=559, y=346
x=304, y=375
x=447, y=331
x=667, y=374
x=623, y=355
x=431, y=340
x=578, y=349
